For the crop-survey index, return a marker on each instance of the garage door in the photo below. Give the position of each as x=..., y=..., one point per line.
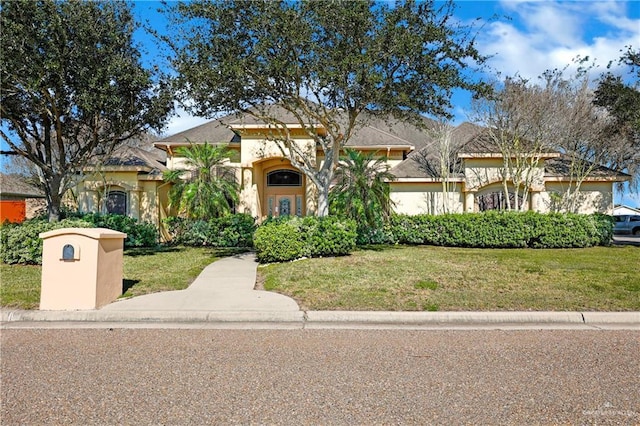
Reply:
x=12, y=210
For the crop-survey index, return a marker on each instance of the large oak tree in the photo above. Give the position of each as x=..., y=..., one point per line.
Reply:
x=621, y=98
x=73, y=86
x=329, y=64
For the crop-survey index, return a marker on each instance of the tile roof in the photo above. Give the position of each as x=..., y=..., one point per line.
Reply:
x=129, y=156
x=375, y=132
x=16, y=185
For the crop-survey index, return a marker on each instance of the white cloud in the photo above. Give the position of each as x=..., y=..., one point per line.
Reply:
x=548, y=35
x=181, y=121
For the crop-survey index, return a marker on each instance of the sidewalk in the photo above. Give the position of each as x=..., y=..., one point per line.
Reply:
x=224, y=293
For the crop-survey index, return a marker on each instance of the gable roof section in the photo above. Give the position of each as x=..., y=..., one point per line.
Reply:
x=560, y=168
x=214, y=132
x=462, y=135
x=129, y=158
x=376, y=132
x=17, y=186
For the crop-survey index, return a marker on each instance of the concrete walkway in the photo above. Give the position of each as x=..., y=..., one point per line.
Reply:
x=225, y=285
x=224, y=293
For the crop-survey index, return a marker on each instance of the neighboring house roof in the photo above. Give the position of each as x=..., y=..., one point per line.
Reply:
x=623, y=209
x=17, y=186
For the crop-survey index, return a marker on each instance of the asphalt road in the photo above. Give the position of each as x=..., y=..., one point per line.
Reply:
x=327, y=377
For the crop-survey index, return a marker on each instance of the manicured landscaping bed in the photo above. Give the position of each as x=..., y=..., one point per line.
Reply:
x=423, y=278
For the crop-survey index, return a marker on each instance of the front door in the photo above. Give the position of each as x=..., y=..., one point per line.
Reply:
x=284, y=206
x=284, y=193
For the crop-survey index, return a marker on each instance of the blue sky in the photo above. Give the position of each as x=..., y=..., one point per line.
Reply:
x=523, y=37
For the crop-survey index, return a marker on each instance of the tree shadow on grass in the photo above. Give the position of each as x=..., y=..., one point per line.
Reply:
x=127, y=284
x=381, y=247
x=149, y=251
x=215, y=251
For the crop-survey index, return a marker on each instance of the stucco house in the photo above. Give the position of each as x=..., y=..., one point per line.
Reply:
x=131, y=181
x=19, y=200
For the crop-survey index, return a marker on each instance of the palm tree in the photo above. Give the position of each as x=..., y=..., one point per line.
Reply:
x=362, y=188
x=207, y=187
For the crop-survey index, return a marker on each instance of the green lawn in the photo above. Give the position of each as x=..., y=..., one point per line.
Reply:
x=450, y=279
x=397, y=278
x=145, y=271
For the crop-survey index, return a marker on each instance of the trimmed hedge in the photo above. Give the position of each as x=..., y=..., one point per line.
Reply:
x=502, y=230
x=21, y=243
x=285, y=239
x=229, y=231
x=139, y=234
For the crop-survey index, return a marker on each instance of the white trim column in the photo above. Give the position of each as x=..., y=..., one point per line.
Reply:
x=134, y=207
x=470, y=201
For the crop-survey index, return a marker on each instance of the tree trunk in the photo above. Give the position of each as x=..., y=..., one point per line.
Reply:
x=323, y=199
x=54, y=199
x=54, y=208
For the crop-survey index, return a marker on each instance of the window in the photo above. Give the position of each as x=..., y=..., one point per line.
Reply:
x=497, y=201
x=284, y=178
x=117, y=202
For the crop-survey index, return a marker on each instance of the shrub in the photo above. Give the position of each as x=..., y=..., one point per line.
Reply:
x=278, y=242
x=139, y=234
x=228, y=231
x=284, y=239
x=503, y=230
x=21, y=243
x=328, y=236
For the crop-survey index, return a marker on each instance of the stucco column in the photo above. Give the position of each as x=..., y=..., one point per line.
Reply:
x=248, y=194
x=88, y=200
x=469, y=201
x=134, y=208
x=536, y=201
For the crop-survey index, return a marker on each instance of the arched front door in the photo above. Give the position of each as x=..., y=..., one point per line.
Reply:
x=284, y=193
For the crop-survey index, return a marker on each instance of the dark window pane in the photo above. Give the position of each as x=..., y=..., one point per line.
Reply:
x=284, y=178
x=117, y=202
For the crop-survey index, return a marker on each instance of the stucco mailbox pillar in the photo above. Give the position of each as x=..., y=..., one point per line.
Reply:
x=82, y=268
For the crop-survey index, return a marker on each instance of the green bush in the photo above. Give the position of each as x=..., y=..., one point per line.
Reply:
x=328, y=236
x=139, y=234
x=284, y=239
x=503, y=230
x=278, y=242
x=21, y=243
x=229, y=231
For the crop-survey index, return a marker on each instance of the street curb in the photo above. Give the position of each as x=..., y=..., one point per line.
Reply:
x=611, y=317
x=325, y=317
x=152, y=316
x=418, y=318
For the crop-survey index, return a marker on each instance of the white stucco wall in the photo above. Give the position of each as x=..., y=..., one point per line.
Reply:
x=594, y=197
x=425, y=198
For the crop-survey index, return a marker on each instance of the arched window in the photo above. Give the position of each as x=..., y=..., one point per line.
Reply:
x=117, y=202
x=497, y=201
x=284, y=178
